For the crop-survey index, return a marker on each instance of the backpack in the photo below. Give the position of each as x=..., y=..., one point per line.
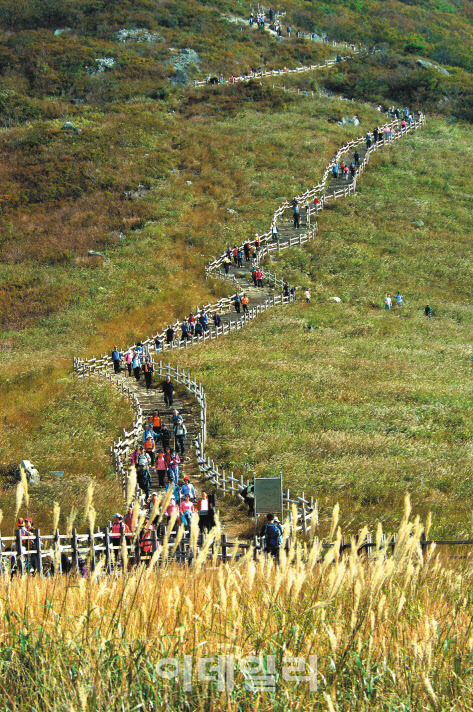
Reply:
x=273, y=535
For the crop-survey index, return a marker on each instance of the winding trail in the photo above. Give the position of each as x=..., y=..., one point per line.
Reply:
x=190, y=398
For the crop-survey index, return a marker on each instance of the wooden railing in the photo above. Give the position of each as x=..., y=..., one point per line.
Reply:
x=103, y=366
x=106, y=552
x=279, y=72
x=122, y=448
x=267, y=240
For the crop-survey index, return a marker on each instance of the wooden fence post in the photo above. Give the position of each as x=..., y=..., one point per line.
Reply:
x=38, y=552
x=19, y=552
x=108, y=558
x=75, y=555
x=224, y=547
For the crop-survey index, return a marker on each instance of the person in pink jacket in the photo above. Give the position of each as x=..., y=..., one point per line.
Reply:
x=186, y=510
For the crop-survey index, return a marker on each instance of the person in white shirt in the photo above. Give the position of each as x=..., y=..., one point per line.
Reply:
x=203, y=508
x=387, y=301
x=307, y=296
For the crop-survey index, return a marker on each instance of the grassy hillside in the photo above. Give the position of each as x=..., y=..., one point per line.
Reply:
x=368, y=403
x=151, y=178
x=223, y=151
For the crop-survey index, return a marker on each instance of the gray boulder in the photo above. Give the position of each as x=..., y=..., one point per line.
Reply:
x=349, y=120
x=137, y=35
x=429, y=65
x=32, y=475
x=69, y=126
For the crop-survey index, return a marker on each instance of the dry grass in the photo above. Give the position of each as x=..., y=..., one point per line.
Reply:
x=390, y=633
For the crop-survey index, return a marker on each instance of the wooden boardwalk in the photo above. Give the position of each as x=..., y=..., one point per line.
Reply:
x=260, y=299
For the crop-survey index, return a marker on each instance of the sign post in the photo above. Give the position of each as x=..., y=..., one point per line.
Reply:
x=268, y=495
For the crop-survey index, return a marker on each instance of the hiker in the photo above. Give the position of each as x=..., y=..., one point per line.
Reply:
x=335, y=170
x=356, y=158
x=352, y=169
x=188, y=488
x=148, y=371
x=185, y=336
x=272, y=533
x=116, y=359
x=150, y=446
x=169, y=334
x=175, y=417
x=244, y=301
x=217, y=319
x=191, y=322
x=253, y=275
x=428, y=311
x=286, y=289
x=246, y=250
x=186, y=511
x=205, y=513
x=368, y=140
x=130, y=518
x=387, y=302
x=307, y=296
x=248, y=494
x=136, y=365
x=180, y=433
x=165, y=437
x=174, y=466
x=127, y=360
x=168, y=390
x=274, y=231
x=135, y=455
x=237, y=303
x=293, y=293
x=376, y=134
x=259, y=277
x=226, y=263
x=157, y=344
x=239, y=258
x=155, y=422
x=146, y=538
x=148, y=432
x=296, y=216
x=160, y=468
x=399, y=299
x=119, y=529
x=204, y=320
x=144, y=479
x=198, y=330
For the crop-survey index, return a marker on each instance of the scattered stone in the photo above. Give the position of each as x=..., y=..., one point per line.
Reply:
x=139, y=192
x=335, y=299
x=349, y=120
x=138, y=35
x=92, y=253
x=60, y=31
x=69, y=126
x=230, y=210
x=32, y=475
x=188, y=182
x=77, y=102
x=102, y=64
x=418, y=223
x=429, y=65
